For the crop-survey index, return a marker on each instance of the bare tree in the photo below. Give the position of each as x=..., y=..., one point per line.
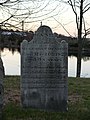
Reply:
x=80, y=7
x=15, y=11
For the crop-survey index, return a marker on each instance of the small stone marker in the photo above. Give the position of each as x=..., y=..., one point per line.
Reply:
x=1, y=86
x=44, y=72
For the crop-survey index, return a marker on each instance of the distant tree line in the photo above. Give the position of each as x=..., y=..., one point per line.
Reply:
x=14, y=38
x=11, y=38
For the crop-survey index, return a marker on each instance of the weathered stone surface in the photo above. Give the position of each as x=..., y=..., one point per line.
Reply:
x=1, y=86
x=44, y=72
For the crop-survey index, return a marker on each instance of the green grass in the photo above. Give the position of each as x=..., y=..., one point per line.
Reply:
x=78, y=102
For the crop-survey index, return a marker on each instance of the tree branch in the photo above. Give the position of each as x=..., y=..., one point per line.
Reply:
x=86, y=10
x=63, y=27
x=7, y=19
x=74, y=10
x=9, y=2
x=4, y=2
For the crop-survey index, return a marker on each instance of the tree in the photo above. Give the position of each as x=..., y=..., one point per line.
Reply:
x=30, y=11
x=81, y=7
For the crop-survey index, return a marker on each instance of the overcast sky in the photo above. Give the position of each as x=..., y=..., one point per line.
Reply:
x=50, y=12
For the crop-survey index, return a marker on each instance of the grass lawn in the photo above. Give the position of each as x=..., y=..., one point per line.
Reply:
x=78, y=102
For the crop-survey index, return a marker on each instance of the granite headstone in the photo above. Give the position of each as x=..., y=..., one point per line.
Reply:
x=44, y=72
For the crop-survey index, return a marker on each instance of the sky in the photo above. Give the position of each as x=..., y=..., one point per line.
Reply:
x=52, y=13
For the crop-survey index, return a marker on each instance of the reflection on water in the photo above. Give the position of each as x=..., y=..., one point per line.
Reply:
x=72, y=67
x=11, y=61
x=86, y=58
x=72, y=63
x=11, y=49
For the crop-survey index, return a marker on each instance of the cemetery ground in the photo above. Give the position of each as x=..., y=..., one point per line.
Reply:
x=78, y=102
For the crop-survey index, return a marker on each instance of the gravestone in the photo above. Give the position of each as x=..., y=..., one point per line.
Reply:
x=1, y=86
x=44, y=72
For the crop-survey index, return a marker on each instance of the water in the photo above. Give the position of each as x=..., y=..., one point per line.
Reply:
x=72, y=67
x=12, y=64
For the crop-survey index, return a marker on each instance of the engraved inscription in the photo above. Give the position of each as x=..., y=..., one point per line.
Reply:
x=44, y=70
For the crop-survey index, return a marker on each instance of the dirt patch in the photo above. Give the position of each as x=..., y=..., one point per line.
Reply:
x=11, y=95
x=74, y=98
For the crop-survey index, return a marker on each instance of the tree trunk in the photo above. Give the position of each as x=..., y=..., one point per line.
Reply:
x=79, y=54
x=80, y=41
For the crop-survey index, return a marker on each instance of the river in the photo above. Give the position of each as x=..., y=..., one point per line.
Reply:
x=12, y=65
